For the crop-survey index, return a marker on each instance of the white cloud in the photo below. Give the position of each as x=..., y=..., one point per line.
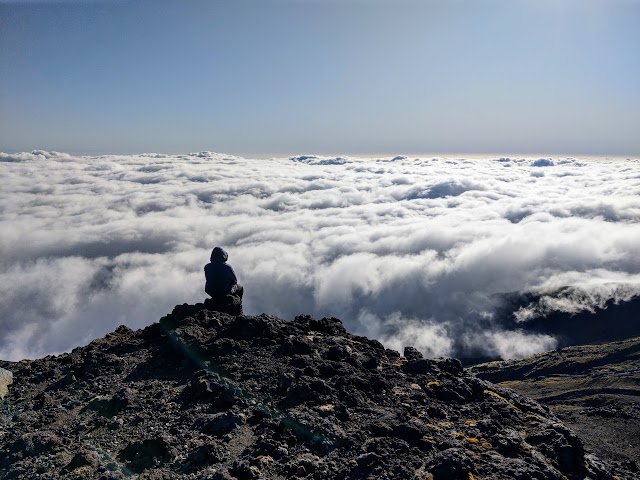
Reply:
x=408, y=250
x=396, y=332
x=510, y=344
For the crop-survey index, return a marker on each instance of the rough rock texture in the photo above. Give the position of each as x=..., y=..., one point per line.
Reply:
x=6, y=379
x=231, y=304
x=207, y=395
x=595, y=389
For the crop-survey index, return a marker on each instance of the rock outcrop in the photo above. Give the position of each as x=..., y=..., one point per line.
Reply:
x=208, y=395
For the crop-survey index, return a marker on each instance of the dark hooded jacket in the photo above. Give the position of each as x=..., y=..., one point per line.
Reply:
x=221, y=279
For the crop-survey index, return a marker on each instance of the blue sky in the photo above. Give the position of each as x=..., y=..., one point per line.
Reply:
x=282, y=77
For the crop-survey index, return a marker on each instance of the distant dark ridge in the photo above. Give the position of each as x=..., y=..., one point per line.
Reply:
x=609, y=322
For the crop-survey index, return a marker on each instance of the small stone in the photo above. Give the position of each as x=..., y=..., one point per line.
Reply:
x=326, y=409
x=368, y=459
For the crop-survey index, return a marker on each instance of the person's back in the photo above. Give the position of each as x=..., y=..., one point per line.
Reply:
x=220, y=278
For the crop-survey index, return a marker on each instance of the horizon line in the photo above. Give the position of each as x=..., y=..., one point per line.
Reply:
x=362, y=154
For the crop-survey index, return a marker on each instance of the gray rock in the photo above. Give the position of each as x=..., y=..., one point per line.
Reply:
x=6, y=379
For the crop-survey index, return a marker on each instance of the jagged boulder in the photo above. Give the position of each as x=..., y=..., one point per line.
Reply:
x=206, y=394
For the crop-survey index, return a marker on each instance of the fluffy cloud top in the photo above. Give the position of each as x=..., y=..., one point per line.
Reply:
x=409, y=250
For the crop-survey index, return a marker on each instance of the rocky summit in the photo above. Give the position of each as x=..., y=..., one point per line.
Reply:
x=209, y=395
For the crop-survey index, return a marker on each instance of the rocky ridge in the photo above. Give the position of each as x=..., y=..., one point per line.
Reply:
x=208, y=395
x=595, y=389
x=573, y=315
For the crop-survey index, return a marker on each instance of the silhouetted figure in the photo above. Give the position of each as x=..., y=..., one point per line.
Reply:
x=222, y=285
x=221, y=279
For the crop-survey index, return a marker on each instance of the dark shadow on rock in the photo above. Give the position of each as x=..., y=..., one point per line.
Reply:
x=230, y=304
x=141, y=455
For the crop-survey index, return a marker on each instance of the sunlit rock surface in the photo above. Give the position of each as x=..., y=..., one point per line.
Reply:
x=6, y=378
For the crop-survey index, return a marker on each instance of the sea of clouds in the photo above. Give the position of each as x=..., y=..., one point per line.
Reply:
x=411, y=251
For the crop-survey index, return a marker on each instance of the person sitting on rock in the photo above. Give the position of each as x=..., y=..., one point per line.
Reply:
x=220, y=277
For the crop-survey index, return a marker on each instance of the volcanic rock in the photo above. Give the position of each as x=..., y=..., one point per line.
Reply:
x=204, y=394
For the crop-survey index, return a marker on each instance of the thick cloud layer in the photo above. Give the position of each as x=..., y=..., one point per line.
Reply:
x=408, y=250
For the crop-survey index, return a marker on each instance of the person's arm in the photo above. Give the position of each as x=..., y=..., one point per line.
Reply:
x=231, y=276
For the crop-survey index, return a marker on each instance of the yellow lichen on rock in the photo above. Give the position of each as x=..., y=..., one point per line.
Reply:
x=81, y=473
x=500, y=397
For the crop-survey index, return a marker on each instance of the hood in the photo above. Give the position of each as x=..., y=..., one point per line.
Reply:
x=219, y=255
